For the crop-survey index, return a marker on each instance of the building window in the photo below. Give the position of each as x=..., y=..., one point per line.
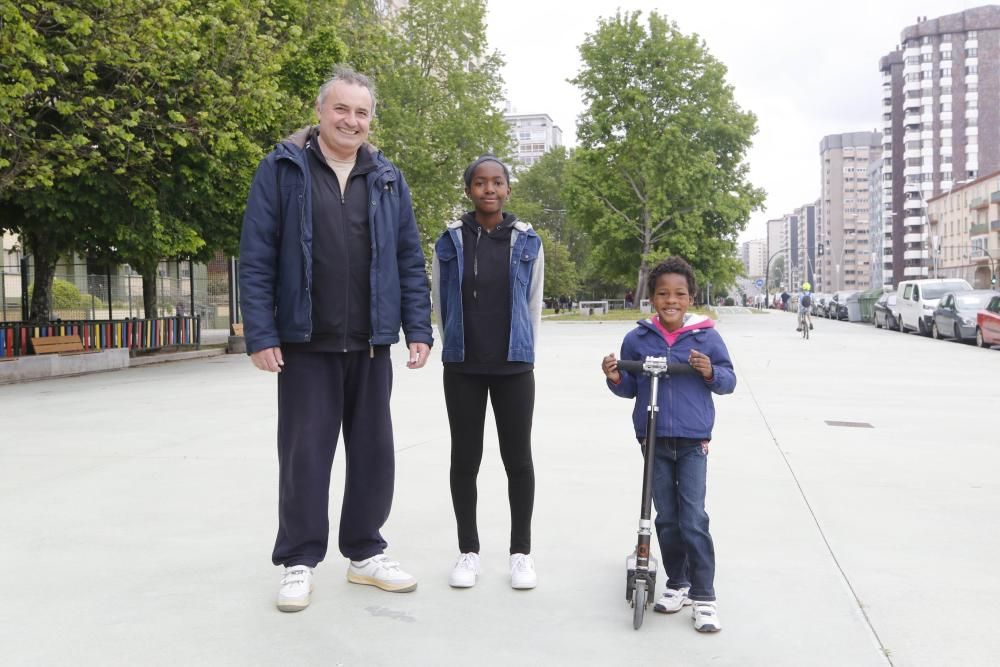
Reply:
x=972, y=69
x=971, y=53
x=945, y=106
x=946, y=55
x=971, y=34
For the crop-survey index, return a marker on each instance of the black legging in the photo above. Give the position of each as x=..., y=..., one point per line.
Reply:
x=513, y=400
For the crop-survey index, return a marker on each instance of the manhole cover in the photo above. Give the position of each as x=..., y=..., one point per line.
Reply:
x=849, y=424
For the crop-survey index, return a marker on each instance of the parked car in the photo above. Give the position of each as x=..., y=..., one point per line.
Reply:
x=884, y=312
x=988, y=323
x=836, y=306
x=819, y=304
x=918, y=298
x=955, y=316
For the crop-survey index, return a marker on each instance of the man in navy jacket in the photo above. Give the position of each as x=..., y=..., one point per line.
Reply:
x=330, y=268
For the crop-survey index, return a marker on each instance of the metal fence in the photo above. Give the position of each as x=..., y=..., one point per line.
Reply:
x=82, y=291
x=133, y=334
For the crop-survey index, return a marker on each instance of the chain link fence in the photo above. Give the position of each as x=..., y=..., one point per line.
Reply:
x=82, y=291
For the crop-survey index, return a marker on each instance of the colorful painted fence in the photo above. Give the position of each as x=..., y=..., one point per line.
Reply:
x=134, y=334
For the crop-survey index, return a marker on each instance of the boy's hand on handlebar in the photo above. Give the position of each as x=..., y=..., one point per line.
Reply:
x=610, y=368
x=701, y=363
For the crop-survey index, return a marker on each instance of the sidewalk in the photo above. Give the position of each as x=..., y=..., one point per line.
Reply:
x=138, y=509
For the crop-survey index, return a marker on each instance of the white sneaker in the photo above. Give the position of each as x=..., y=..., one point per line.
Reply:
x=522, y=572
x=673, y=600
x=465, y=572
x=706, y=616
x=296, y=585
x=381, y=572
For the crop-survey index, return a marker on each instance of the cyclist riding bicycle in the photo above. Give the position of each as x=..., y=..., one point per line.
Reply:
x=805, y=306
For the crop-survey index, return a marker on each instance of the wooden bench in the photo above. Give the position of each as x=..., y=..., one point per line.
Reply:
x=56, y=344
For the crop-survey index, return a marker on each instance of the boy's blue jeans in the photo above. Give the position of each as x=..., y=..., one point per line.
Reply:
x=679, y=483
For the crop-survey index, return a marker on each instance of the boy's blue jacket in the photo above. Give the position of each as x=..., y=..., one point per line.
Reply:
x=686, y=407
x=276, y=253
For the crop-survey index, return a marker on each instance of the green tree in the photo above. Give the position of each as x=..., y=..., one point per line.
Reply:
x=561, y=278
x=660, y=168
x=438, y=91
x=537, y=197
x=130, y=130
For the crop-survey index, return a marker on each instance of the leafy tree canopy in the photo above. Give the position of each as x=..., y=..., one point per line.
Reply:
x=439, y=90
x=661, y=165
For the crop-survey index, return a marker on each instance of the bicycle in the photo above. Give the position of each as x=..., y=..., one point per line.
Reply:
x=804, y=323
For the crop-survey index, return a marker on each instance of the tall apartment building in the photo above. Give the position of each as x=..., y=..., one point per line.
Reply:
x=803, y=246
x=754, y=254
x=876, y=222
x=845, y=261
x=776, y=245
x=936, y=134
x=534, y=134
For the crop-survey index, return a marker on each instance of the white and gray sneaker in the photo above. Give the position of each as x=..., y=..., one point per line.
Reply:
x=382, y=573
x=296, y=586
x=673, y=600
x=522, y=572
x=706, y=616
x=465, y=572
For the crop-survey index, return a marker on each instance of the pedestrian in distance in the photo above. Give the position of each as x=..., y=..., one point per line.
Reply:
x=683, y=432
x=488, y=275
x=331, y=267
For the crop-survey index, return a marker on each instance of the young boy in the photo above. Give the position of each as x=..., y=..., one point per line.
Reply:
x=683, y=431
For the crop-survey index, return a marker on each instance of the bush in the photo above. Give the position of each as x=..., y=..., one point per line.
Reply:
x=65, y=295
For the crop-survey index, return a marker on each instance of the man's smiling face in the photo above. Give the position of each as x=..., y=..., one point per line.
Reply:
x=345, y=115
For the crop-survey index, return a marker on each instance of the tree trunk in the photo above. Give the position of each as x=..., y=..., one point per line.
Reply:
x=44, y=256
x=149, y=273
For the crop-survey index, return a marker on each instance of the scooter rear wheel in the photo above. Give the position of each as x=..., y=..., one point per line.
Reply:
x=638, y=603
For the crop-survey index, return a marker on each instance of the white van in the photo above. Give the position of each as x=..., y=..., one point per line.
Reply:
x=917, y=300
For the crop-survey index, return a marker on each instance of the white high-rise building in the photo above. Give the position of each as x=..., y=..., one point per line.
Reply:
x=534, y=135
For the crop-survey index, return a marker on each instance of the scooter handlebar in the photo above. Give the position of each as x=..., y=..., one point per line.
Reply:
x=655, y=366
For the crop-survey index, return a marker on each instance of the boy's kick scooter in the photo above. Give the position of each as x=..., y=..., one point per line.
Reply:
x=640, y=578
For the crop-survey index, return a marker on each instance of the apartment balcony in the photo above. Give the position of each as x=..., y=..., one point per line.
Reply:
x=995, y=197
x=915, y=272
x=979, y=229
x=914, y=237
x=912, y=120
x=911, y=171
x=978, y=203
x=915, y=254
x=911, y=204
x=994, y=225
x=911, y=153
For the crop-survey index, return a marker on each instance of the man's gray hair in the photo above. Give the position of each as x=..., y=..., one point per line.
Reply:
x=345, y=73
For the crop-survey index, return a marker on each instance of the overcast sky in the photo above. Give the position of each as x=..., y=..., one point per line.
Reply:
x=806, y=69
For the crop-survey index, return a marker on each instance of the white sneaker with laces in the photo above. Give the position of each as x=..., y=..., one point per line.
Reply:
x=381, y=572
x=296, y=586
x=706, y=616
x=673, y=600
x=465, y=572
x=522, y=572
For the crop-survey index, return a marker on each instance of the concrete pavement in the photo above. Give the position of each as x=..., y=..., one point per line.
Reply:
x=137, y=513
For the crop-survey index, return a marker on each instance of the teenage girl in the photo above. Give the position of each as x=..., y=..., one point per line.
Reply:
x=488, y=276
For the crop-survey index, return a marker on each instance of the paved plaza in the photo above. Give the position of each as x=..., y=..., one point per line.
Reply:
x=138, y=511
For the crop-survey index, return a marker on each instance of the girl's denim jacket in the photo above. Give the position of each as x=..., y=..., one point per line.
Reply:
x=527, y=278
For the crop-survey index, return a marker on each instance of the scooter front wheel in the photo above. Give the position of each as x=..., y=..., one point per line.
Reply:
x=638, y=603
